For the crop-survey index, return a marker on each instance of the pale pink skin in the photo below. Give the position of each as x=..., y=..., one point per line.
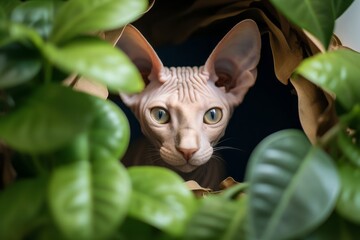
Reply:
x=186, y=142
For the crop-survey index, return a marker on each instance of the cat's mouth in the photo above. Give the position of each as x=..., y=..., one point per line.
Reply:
x=179, y=165
x=178, y=162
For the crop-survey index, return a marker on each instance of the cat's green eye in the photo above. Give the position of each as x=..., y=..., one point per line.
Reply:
x=160, y=115
x=213, y=116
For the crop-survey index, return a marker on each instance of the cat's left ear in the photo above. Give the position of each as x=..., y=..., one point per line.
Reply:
x=232, y=64
x=141, y=53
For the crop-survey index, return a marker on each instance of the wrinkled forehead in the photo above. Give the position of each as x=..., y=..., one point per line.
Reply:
x=186, y=85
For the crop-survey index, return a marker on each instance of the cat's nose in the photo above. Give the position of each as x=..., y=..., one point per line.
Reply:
x=187, y=152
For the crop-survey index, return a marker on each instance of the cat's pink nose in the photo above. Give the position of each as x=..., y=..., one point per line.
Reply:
x=187, y=152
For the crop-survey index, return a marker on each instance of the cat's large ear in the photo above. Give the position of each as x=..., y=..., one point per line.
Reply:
x=232, y=64
x=141, y=53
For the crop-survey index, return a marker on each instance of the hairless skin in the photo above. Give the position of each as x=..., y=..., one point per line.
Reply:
x=184, y=111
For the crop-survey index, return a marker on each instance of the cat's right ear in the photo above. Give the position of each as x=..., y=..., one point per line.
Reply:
x=233, y=63
x=141, y=53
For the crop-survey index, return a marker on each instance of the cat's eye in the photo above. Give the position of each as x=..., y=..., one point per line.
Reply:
x=160, y=115
x=213, y=116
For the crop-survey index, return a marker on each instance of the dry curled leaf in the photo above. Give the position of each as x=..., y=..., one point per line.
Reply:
x=200, y=191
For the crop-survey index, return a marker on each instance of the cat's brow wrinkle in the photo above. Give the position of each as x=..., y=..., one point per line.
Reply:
x=189, y=83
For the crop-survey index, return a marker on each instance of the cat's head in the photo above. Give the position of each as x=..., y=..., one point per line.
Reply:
x=184, y=111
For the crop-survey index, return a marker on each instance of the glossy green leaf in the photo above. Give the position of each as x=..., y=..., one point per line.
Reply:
x=20, y=207
x=160, y=198
x=30, y=21
x=109, y=132
x=99, y=61
x=37, y=14
x=292, y=184
x=14, y=32
x=340, y=6
x=348, y=204
x=49, y=118
x=218, y=218
x=89, y=200
x=107, y=136
x=316, y=16
x=87, y=16
x=337, y=72
x=17, y=65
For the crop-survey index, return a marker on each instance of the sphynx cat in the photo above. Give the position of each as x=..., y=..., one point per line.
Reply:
x=184, y=111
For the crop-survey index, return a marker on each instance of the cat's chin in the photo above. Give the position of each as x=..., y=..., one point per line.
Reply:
x=186, y=168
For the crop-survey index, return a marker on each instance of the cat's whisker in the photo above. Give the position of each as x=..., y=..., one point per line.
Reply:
x=153, y=153
x=155, y=161
x=154, y=157
x=227, y=148
x=217, y=158
x=216, y=147
x=223, y=140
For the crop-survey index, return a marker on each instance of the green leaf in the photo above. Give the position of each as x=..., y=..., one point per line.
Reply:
x=20, y=207
x=218, y=218
x=49, y=118
x=337, y=72
x=30, y=20
x=316, y=16
x=292, y=184
x=89, y=201
x=107, y=136
x=340, y=6
x=109, y=132
x=36, y=14
x=86, y=16
x=348, y=204
x=14, y=32
x=98, y=61
x=161, y=199
x=17, y=65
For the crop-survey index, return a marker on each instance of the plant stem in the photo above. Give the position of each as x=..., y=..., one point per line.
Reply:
x=329, y=135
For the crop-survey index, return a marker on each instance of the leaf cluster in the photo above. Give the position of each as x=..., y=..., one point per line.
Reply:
x=66, y=144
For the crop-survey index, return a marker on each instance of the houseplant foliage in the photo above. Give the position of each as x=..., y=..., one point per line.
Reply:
x=299, y=190
x=66, y=145
x=319, y=198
